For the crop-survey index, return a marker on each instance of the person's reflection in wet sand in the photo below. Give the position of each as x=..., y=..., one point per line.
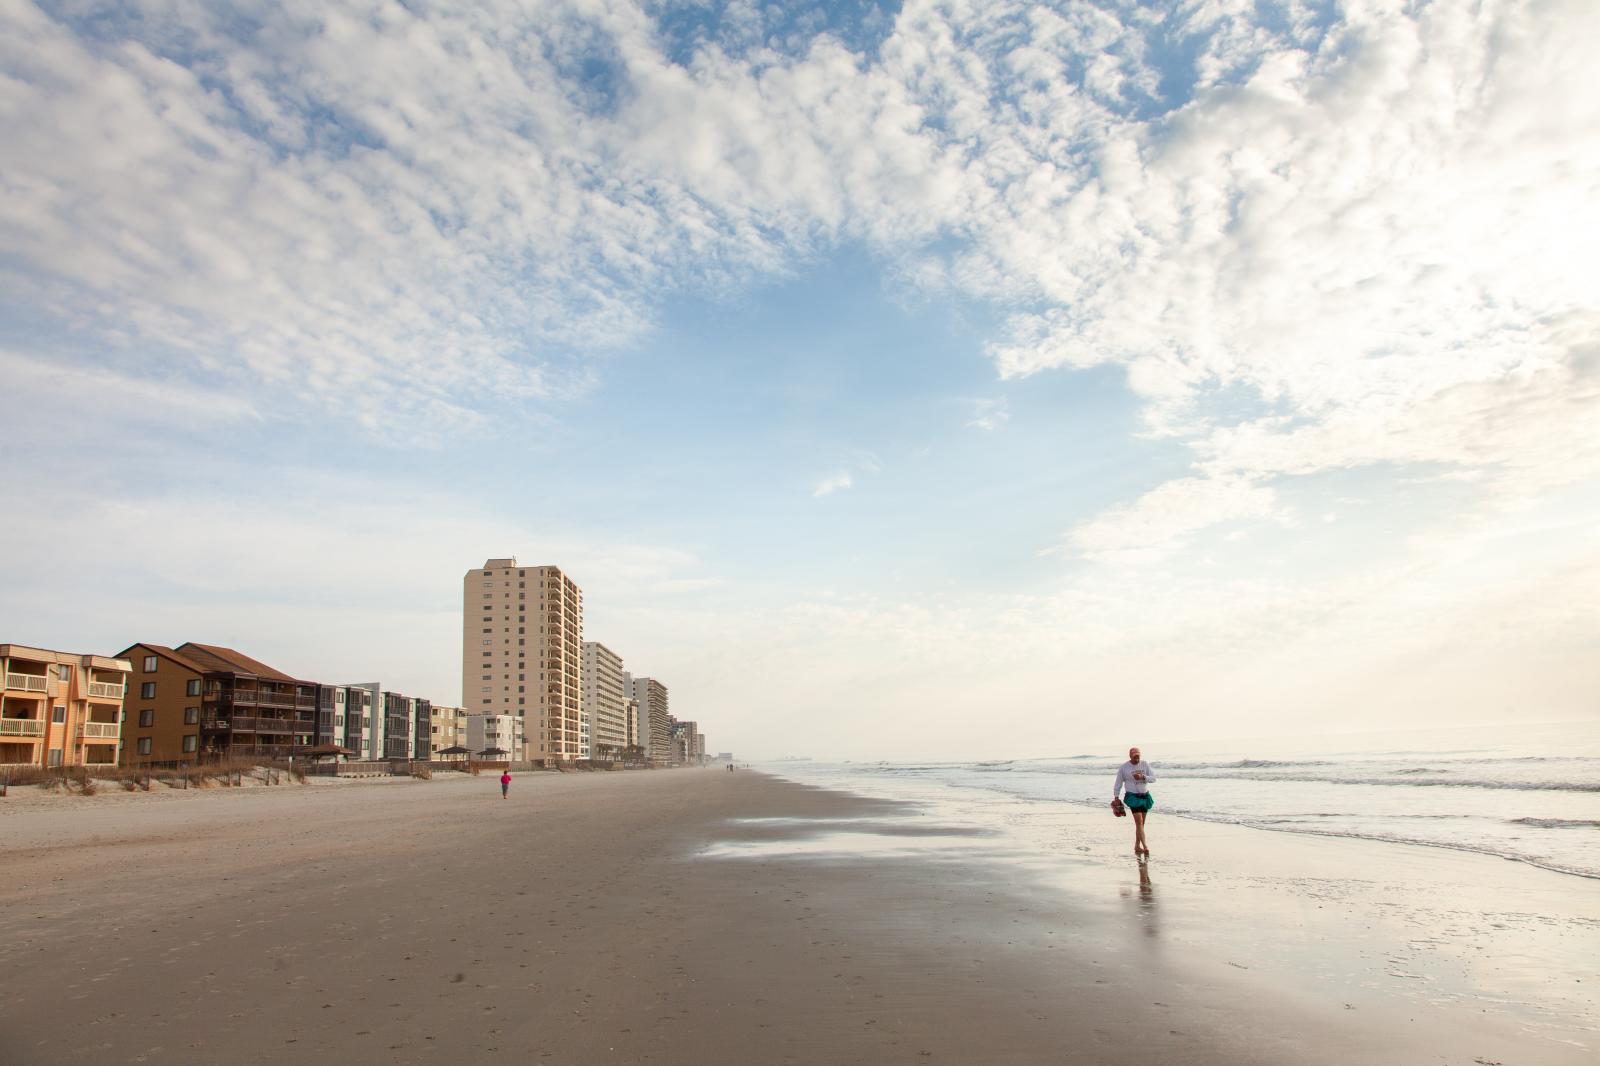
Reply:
x=1145, y=900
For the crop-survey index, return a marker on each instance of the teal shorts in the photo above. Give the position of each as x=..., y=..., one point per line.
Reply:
x=1139, y=801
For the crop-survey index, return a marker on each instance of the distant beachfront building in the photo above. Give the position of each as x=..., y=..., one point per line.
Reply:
x=604, y=703
x=486, y=732
x=205, y=701
x=345, y=717
x=392, y=725
x=522, y=652
x=694, y=743
x=60, y=708
x=676, y=743
x=631, y=712
x=447, y=728
x=652, y=698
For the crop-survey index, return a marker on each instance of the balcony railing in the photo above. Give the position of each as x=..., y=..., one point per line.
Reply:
x=28, y=682
x=21, y=727
x=106, y=690
x=100, y=729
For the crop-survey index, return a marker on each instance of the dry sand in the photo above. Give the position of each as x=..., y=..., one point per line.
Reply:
x=663, y=917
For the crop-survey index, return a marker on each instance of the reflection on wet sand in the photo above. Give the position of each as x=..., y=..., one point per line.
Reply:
x=1144, y=899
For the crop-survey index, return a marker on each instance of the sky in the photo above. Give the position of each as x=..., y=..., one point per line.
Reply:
x=935, y=380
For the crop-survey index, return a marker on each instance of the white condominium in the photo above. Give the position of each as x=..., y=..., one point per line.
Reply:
x=604, y=701
x=487, y=734
x=521, y=650
x=652, y=697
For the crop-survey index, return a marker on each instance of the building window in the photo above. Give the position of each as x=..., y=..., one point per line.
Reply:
x=191, y=715
x=147, y=718
x=191, y=742
x=55, y=756
x=147, y=690
x=64, y=673
x=144, y=745
x=149, y=664
x=192, y=688
x=58, y=715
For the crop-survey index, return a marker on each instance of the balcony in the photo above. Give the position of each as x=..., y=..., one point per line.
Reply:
x=100, y=730
x=28, y=682
x=21, y=727
x=104, y=690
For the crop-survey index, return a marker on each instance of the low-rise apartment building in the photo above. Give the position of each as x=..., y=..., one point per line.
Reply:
x=60, y=708
x=390, y=725
x=447, y=728
x=488, y=732
x=202, y=701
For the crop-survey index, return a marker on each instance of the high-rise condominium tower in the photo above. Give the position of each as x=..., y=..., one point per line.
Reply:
x=521, y=653
x=604, y=703
x=652, y=697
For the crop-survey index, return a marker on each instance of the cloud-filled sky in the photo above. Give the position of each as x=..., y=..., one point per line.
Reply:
x=936, y=379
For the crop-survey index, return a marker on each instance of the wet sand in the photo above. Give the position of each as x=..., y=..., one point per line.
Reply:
x=669, y=917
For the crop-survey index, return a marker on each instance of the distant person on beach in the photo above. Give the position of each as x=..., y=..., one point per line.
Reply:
x=505, y=784
x=1133, y=788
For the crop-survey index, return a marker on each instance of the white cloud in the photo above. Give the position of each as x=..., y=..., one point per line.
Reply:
x=833, y=483
x=989, y=414
x=1352, y=217
x=1159, y=522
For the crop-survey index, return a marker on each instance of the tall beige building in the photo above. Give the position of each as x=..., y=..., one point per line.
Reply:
x=522, y=652
x=653, y=732
x=604, y=702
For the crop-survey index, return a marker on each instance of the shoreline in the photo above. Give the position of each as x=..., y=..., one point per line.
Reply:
x=672, y=918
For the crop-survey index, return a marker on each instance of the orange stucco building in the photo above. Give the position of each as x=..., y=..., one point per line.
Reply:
x=60, y=708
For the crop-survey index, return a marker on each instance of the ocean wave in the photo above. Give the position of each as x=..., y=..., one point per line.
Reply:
x=1267, y=772
x=1558, y=823
x=1275, y=825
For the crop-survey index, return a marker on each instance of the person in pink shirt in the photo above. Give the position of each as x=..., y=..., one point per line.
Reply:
x=505, y=784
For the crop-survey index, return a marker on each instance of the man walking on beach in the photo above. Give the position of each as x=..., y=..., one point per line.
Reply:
x=1133, y=787
x=505, y=784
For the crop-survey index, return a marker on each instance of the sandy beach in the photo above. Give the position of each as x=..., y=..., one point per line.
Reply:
x=701, y=916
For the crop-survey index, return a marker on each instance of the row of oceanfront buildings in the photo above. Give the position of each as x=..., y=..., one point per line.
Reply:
x=533, y=690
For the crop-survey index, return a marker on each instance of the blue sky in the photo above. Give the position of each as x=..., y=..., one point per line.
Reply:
x=877, y=370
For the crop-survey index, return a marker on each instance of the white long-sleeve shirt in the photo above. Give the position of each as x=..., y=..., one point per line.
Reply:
x=1126, y=783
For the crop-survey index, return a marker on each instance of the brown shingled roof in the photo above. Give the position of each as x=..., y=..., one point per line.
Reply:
x=187, y=661
x=231, y=661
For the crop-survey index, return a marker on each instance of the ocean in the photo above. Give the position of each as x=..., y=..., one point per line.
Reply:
x=1526, y=793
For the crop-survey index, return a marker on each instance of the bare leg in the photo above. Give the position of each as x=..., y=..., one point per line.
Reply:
x=1138, y=833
